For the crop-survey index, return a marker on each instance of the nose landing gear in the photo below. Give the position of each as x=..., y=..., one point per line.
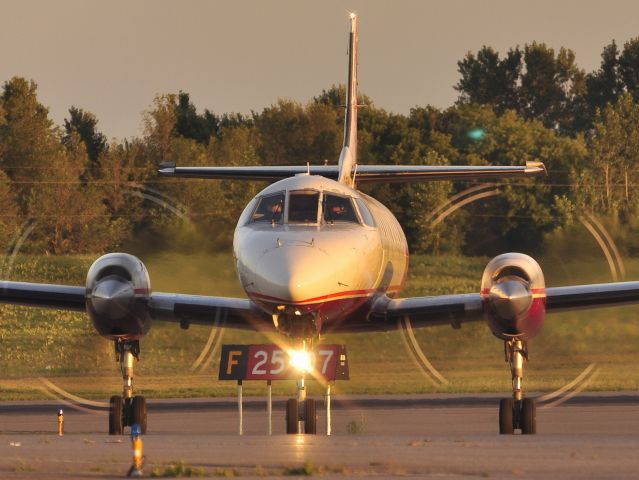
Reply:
x=517, y=412
x=127, y=409
x=301, y=412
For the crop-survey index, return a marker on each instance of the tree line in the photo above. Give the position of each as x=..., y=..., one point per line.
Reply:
x=68, y=189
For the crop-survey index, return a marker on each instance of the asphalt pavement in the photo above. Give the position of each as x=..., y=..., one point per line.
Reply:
x=451, y=436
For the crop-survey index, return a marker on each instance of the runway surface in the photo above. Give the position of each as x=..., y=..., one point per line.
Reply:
x=591, y=436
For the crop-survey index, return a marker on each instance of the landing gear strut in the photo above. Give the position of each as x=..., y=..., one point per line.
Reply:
x=127, y=409
x=517, y=412
x=301, y=412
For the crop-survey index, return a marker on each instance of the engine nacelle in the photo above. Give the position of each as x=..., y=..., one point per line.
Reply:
x=118, y=291
x=513, y=294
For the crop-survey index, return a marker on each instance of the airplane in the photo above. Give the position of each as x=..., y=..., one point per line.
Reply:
x=315, y=255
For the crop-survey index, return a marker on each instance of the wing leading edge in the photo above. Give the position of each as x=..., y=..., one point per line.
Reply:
x=243, y=314
x=463, y=308
x=184, y=309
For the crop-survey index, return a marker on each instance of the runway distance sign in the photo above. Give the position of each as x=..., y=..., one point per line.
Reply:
x=270, y=362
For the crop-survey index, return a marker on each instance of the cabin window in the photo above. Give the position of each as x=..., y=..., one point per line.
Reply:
x=367, y=217
x=270, y=208
x=303, y=206
x=338, y=209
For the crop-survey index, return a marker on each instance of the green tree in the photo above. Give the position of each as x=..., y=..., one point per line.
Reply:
x=292, y=134
x=85, y=124
x=30, y=141
x=125, y=170
x=615, y=153
x=189, y=124
x=67, y=213
x=536, y=83
x=552, y=87
x=159, y=127
x=629, y=67
x=10, y=217
x=604, y=85
x=3, y=122
x=524, y=209
x=488, y=80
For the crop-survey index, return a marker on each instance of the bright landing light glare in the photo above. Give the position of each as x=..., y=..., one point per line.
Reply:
x=301, y=360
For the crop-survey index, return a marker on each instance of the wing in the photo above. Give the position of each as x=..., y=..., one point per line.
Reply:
x=61, y=297
x=172, y=307
x=457, y=309
x=578, y=297
x=203, y=310
x=363, y=173
x=424, y=311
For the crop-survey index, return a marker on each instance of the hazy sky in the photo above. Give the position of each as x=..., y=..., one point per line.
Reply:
x=112, y=57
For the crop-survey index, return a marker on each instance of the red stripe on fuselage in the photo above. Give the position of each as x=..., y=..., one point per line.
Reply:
x=322, y=298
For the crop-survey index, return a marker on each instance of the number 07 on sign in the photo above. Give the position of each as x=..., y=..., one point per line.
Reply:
x=270, y=362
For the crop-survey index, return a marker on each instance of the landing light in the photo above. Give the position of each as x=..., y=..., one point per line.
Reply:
x=301, y=360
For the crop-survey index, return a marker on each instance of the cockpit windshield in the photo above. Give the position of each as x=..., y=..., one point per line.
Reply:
x=270, y=208
x=303, y=206
x=338, y=209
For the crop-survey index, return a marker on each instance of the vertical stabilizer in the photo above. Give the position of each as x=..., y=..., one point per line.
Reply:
x=348, y=156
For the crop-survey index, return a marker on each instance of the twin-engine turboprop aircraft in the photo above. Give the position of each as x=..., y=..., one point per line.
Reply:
x=316, y=255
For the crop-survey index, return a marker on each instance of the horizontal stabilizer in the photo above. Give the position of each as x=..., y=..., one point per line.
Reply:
x=424, y=173
x=247, y=173
x=363, y=173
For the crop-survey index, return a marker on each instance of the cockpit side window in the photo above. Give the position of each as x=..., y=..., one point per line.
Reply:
x=270, y=208
x=365, y=213
x=338, y=209
x=302, y=206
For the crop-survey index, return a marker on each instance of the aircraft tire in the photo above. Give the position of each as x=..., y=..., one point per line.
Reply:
x=292, y=415
x=116, y=417
x=310, y=416
x=138, y=412
x=506, y=425
x=528, y=416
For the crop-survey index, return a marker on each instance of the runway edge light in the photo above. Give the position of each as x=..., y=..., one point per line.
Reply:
x=60, y=422
x=136, y=444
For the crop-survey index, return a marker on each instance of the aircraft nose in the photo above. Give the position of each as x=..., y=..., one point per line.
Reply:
x=293, y=273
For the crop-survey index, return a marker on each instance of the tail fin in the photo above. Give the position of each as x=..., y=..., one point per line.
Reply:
x=348, y=156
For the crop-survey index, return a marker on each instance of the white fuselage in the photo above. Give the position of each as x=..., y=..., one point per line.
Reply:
x=294, y=261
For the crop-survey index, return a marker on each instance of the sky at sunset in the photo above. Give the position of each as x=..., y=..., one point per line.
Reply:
x=111, y=58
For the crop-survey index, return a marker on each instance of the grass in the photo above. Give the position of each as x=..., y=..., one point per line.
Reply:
x=22, y=466
x=356, y=427
x=305, y=470
x=64, y=348
x=177, y=469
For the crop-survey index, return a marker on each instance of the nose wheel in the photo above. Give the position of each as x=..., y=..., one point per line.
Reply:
x=301, y=412
x=517, y=413
x=127, y=409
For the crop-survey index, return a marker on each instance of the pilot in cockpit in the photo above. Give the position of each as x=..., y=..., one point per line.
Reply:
x=337, y=211
x=270, y=208
x=276, y=211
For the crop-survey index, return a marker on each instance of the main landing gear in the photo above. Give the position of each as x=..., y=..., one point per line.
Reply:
x=127, y=409
x=517, y=412
x=301, y=412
